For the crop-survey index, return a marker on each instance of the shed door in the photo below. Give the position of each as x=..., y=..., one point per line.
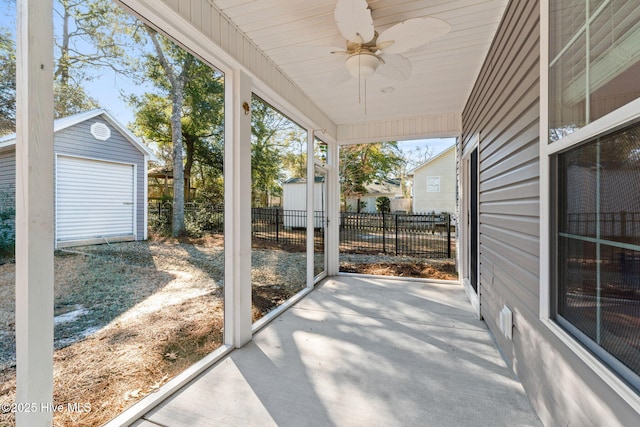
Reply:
x=94, y=199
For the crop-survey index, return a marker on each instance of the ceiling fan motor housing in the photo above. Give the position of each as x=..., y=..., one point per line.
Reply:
x=362, y=64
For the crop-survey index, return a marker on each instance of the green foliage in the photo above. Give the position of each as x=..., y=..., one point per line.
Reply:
x=7, y=218
x=7, y=84
x=204, y=219
x=278, y=151
x=200, y=219
x=92, y=36
x=383, y=204
x=160, y=222
x=362, y=164
x=184, y=118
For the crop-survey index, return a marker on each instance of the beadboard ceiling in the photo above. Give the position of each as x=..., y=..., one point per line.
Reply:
x=444, y=70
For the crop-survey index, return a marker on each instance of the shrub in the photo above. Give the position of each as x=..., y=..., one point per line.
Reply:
x=383, y=204
x=198, y=219
x=7, y=219
x=204, y=219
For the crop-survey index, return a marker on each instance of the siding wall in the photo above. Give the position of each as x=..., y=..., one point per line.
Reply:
x=66, y=142
x=8, y=171
x=443, y=201
x=116, y=149
x=503, y=109
x=7, y=185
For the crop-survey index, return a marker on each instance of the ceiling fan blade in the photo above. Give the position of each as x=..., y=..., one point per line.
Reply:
x=354, y=21
x=412, y=33
x=395, y=67
x=338, y=77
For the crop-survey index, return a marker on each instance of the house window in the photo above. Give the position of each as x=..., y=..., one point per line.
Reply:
x=433, y=184
x=594, y=61
x=598, y=245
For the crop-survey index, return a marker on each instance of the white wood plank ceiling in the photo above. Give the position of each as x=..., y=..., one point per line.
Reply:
x=444, y=70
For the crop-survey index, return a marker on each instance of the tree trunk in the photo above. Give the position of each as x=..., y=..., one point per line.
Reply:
x=178, y=228
x=188, y=165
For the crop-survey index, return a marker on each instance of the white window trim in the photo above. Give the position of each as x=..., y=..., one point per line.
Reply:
x=611, y=121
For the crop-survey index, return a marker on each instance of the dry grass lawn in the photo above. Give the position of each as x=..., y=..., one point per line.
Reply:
x=140, y=313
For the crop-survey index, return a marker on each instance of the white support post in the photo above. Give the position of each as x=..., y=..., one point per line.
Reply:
x=34, y=212
x=238, y=212
x=333, y=211
x=311, y=221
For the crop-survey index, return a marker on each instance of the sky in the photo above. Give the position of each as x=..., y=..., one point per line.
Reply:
x=107, y=88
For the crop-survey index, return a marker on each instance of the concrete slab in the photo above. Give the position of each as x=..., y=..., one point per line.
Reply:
x=360, y=352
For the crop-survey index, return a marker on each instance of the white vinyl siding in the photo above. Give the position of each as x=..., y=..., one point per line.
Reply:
x=7, y=191
x=434, y=188
x=94, y=199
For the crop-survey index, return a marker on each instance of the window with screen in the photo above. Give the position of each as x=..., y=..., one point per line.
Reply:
x=598, y=245
x=594, y=64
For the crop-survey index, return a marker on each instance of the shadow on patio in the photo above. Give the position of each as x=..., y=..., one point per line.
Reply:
x=360, y=351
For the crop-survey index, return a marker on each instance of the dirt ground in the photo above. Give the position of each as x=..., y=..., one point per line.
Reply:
x=442, y=271
x=131, y=316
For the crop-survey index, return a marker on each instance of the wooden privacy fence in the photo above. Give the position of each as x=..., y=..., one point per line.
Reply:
x=422, y=235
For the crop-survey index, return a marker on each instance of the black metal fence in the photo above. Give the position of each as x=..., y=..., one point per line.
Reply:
x=424, y=235
x=620, y=226
x=278, y=225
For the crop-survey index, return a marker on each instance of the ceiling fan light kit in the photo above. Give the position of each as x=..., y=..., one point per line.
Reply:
x=362, y=65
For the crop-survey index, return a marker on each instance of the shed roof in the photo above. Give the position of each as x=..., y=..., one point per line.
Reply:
x=302, y=180
x=66, y=122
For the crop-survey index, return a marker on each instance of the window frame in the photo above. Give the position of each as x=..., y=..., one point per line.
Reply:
x=430, y=185
x=621, y=117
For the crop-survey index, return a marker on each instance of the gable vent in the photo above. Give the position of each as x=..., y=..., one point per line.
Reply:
x=100, y=131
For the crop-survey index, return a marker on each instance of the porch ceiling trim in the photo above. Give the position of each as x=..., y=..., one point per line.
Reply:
x=418, y=127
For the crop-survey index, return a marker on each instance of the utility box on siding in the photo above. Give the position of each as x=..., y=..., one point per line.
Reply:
x=100, y=179
x=294, y=202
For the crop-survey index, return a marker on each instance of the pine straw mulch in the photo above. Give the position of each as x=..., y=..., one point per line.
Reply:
x=406, y=269
x=399, y=266
x=155, y=308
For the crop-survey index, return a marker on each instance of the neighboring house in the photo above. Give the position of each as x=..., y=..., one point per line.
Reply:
x=294, y=202
x=434, y=183
x=100, y=179
x=390, y=188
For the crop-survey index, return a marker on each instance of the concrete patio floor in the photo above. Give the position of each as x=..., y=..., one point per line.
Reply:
x=359, y=351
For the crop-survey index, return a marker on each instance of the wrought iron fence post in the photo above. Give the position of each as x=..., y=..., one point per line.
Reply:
x=277, y=225
x=448, y=235
x=396, y=234
x=384, y=242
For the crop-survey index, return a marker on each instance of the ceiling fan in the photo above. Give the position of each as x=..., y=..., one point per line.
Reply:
x=370, y=53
